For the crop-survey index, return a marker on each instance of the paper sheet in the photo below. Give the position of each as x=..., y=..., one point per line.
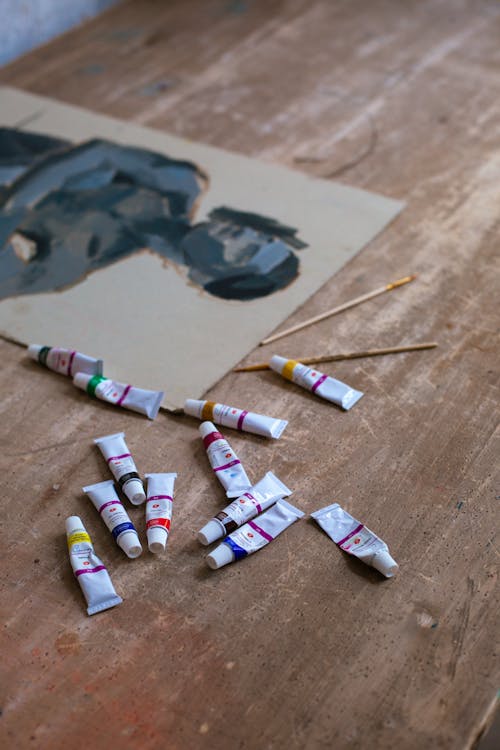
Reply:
x=152, y=325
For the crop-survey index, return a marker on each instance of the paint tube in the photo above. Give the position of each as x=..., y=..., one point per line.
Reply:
x=64, y=361
x=159, y=510
x=355, y=539
x=238, y=419
x=114, y=515
x=122, y=466
x=128, y=396
x=91, y=574
x=262, y=495
x=224, y=461
x=253, y=536
x=315, y=381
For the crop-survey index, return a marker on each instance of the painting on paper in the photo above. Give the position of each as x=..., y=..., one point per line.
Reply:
x=168, y=259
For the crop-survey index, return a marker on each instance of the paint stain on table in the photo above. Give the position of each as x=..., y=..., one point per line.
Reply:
x=68, y=644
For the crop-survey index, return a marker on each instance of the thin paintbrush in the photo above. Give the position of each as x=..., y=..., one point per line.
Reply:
x=338, y=357
x=340, y=308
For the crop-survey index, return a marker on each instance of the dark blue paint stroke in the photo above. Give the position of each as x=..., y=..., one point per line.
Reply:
x=73, y=209
x=239, y=255
x=18, y=152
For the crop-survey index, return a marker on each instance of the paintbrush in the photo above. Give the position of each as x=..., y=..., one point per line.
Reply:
x=340, y=308
x=338, y=357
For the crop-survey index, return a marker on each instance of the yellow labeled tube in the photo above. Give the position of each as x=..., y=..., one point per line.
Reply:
x=89, y=571
x=315, y=381
x=237, y=419
x=159, y=510
x=106, y=501
x=226, y=465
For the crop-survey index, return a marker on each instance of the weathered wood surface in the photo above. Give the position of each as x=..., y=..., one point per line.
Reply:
x=298, y=646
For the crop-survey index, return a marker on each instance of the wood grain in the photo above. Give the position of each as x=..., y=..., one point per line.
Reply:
x=298, y=646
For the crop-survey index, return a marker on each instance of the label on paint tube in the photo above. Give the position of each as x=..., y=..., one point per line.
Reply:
x=221, y=456
x=224, y=461
x=325, y=386
x=159, y=511
x=358, y=540
x=159, y=506
x=238, y=512
x=59, y=360
x=248, y=539
x=308, y=377
x=116, y=518
x=355, y=538
x=123, y=467
x=111, y=391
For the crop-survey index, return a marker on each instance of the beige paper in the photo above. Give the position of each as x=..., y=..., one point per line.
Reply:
x=152, y=327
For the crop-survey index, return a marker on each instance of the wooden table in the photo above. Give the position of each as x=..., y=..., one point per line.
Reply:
x=298, y=646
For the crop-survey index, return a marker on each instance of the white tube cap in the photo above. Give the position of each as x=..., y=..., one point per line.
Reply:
x=212, y=531
x=277, y=363
x=81, y=380
x=74, y=523
x=34, y=351
x=157, y=539
x=192, y=407
x=134, y=490
x=385, y=564
x=130, y=544
x=220, y=556
x=206, y=428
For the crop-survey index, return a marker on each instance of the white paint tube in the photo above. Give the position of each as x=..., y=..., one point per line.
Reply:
x=238, y=419
x=159, y=510
x=114, y=515
x=128, y=396
x=224, y=461
x=254, y=535
x=89, y=571
x=64, y=361
x=315, y=381
x=122, y=466
x=262, y=495
x=355, y=539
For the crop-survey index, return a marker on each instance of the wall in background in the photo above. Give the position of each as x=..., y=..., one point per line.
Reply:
x=27, y=23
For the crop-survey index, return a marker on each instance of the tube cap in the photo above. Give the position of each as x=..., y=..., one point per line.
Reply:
x=385, y=564
x=157, y=539
x=206, y=428
x=34, y=351
x=220, y=556
x=192, y=407
x=277, y=363
x=212, y=531
x=134, y=490
x=130, y=544
x=81, y=380
x=73, y=523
